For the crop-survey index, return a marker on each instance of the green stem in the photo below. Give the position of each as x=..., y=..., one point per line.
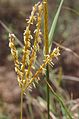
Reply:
x=60, y=101
x=48, y=93
x=21, y=104
x=46, y=44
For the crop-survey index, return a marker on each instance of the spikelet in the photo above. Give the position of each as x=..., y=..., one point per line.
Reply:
x=15, y=55
x=38, y=25
x=32, y=17
x=26, y=49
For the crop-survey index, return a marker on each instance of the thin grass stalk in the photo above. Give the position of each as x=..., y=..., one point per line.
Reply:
x=21, y=114
x=48, y=91
x=68, y=114
x=31, y=111
x=46, y=44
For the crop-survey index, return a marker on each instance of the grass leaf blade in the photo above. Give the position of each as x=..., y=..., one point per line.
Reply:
x=52, y=30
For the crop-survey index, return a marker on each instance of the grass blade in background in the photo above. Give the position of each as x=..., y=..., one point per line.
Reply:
x=60, y=100
x=52, y=29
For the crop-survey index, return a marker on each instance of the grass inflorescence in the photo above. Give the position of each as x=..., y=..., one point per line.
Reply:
x=24, y=67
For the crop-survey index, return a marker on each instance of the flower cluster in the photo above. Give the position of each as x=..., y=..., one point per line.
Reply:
x=24, y=67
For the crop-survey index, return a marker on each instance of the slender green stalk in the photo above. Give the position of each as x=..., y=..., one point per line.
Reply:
x=46, y=44
x=31, y=111
x=48, y=91
x=21, y=104
x=68, y=114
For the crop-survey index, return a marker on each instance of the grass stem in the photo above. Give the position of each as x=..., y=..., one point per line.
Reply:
x=46, y=44
x=60, y=100
x=48, y=91
x=21, y=114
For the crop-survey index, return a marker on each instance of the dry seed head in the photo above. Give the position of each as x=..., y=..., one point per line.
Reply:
x=54, y=54
x=15, y=56
x=21, y=67
x=13, y=50
x=26, y=49
x=27, y=37
x=32, y=18
x=38, y=25
x=40, y=8
x=37, y=40
x=24, y=69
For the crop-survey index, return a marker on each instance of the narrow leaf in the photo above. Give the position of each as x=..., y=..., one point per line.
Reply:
x=54, y=23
